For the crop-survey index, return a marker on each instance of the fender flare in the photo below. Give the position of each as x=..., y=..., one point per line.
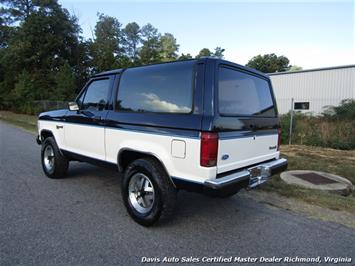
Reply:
x=151, y=154
x=51, y=133
x=43, y=131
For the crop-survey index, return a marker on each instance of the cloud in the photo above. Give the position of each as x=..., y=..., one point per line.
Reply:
x=156, y=104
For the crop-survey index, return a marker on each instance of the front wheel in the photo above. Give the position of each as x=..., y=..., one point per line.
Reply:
x=54, y=164
x=148, y=192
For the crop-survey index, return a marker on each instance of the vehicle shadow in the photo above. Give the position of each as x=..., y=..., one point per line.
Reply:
x=190, y=207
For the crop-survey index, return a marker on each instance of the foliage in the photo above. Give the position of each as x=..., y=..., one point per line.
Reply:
x=150, y=52
x=44, y=58
x=169, y=47
x=185, y=56
x=18, y=10
x=106, y=47
x=204, y=52
x=346, y=110
x=325, y=131
x=269, y=63
x=46, y=37
x=132, y=39
x=65, y=82
x=295, y=68
x=218, y=52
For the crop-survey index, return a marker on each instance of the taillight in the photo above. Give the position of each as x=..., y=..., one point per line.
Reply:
x=209, y=149
x=278, y=138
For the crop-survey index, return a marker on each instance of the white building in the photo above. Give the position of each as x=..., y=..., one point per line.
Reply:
x=313, y=88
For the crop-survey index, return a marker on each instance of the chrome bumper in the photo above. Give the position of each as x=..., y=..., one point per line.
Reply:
x=252, y=176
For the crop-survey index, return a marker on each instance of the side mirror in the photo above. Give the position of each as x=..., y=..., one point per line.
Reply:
x=73, y=106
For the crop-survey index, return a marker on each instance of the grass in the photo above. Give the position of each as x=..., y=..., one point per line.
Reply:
x=300, y=157
x=337, y=162
x=27, y=122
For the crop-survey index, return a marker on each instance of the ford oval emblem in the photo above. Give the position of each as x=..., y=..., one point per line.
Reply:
x=225, y=157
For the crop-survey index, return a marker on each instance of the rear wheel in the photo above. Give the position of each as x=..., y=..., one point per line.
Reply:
x=54, y=164
x=141, y=194
x=148, y=192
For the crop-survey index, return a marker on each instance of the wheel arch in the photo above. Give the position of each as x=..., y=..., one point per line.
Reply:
x=45, y=133
x=133, y=154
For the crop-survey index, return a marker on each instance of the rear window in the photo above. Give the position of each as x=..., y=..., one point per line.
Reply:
x=166, y=88
x=243, y=94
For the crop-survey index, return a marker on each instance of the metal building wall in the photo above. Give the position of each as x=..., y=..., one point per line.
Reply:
x=320, y=87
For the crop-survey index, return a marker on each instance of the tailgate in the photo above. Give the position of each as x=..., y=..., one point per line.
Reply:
x=244, y=149
x=247, y=121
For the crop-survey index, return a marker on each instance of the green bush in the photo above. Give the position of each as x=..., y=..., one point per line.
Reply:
x=335, y=129
x=346, y=110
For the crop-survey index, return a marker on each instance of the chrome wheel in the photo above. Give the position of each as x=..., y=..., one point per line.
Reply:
x=141, y=193
x=48, y=158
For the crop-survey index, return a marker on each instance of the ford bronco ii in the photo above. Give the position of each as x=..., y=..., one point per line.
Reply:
x=204, y=125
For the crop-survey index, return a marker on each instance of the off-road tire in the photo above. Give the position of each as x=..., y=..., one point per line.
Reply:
x=165, y=193
x=61, y=163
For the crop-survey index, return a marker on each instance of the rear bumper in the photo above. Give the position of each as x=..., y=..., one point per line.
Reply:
x=247, y=178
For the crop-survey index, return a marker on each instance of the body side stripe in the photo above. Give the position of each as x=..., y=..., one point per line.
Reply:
x=138, y=129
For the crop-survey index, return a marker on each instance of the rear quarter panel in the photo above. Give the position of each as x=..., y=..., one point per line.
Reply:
x=160, y=146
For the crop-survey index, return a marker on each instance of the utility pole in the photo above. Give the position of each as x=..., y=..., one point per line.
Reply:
x=291, y=122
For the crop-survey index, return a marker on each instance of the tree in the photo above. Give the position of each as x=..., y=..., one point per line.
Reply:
x=295, y=68
x=346, y=110
x=65, y=82
x=24, y=88
x=169, y=47
x=269, y=63
x=5, y=33
x=132, y=39
x=150, y=52
x=46, y=37
x=218, y=52
x=18, y=10
x=106, y=49
x=43, y=56
x=204, y=52
x=185, y=56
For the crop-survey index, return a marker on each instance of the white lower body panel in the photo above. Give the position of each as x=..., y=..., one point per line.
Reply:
x=244, y=151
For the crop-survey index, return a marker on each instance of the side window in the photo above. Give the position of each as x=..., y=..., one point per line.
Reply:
x=166, y=88
x=96, y=95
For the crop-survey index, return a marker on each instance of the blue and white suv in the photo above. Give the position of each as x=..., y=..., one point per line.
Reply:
x=205, y=125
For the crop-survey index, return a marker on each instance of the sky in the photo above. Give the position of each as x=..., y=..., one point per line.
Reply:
x=311, y=34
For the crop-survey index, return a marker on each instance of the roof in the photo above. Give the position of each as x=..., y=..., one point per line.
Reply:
x=117, y=71
x=109, y=72
x=244, y=67
x=311, y=70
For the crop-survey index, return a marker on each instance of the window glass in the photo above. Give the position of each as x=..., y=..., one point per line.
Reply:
x=243, y=94
x=157, y=88
x=96, y=95
x=301, y=106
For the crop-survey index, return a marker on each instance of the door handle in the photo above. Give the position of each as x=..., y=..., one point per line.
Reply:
x=58, y=127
